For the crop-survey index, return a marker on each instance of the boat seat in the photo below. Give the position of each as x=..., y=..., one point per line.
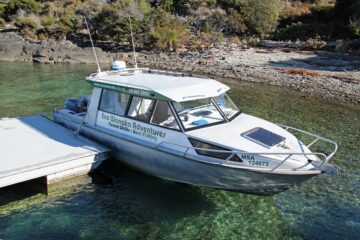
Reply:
x=161, y=112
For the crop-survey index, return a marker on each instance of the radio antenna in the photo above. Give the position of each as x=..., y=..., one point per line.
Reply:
x=92, y=45
x=133, y=44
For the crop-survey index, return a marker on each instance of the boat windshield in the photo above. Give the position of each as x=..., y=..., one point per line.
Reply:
x=226, y=105
x=198, y=113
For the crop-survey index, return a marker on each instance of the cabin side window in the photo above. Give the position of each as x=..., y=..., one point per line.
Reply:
x=141, y=108
x=114, y=102
x=163, y=116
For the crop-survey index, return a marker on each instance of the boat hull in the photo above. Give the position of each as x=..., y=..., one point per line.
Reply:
x=177, y=168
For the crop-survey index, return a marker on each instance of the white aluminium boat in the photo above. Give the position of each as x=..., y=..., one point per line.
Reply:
x=187, y=129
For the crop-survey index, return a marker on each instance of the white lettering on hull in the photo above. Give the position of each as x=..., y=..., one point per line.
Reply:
x=130, y=127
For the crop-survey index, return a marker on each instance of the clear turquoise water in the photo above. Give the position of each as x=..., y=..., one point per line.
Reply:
x=137, y=206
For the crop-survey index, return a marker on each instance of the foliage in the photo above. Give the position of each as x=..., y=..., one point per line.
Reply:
x=347, y=8
x=48, y=21
x=2, y=9
x=315, y=43
x=349, y=12
x=30, y=6
x=25, y=22
x=28, y=33
x=66, y=21
x=113, y=23
x=57, y=31
x=169, y=34
x=355, y=26
x=324, y=18
x=291, y=11
x=198, y=24
x=2, y=23
x=261, y=16
x=252, y=16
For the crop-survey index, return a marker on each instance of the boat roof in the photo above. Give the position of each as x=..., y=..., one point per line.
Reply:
x=169, y=86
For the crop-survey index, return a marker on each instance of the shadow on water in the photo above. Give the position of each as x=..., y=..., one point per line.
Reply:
x=126, y=195
x=144, y=198
x=21, y=191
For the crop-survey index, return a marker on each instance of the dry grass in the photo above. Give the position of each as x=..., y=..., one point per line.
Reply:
x=294, y=9
x=301, y=71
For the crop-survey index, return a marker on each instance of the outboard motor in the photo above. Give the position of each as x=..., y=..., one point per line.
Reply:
x=77, y=105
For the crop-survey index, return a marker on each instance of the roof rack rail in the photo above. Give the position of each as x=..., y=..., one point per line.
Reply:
x=171, y=73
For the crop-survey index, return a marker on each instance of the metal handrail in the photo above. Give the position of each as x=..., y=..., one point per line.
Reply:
x=233, y=152
x=323, y=158
x=317, y=138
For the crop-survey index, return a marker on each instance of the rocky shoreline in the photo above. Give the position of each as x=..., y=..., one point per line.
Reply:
x=329, y=75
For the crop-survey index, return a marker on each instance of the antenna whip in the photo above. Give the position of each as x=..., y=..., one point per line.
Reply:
x=133, y=44
x=92, y=45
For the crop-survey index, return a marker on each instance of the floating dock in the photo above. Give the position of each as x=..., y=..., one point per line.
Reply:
x=33, y=147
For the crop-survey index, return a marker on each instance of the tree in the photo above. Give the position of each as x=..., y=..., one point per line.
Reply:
x=112, y=23
x=168, y=33
x=261, y=17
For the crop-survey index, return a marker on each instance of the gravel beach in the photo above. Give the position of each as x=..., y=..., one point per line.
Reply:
x=329, y=75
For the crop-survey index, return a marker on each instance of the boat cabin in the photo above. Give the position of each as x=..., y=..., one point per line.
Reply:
x=174, y=102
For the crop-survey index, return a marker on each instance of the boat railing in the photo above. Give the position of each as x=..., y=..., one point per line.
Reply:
x=322, y=157
x=127, y=71
x=316, y=139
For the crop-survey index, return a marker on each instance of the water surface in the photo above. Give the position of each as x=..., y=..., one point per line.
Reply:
x=126, y=204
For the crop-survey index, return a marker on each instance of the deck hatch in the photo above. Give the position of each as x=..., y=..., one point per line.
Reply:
x=263, y=137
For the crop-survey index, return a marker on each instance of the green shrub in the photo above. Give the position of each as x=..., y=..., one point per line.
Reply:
x=355, y=26
x=261, y=17
x=42, y=36
x=2, y=23
x=48, y=21
x=170, y=36
x=236, y=23
x=65, y=20
x=2, y=9
x=25, y=22
x=306, y=30
x=144, y=6
x=252, y=16
x=30, y=6
x=57, y=31
x=112, y=24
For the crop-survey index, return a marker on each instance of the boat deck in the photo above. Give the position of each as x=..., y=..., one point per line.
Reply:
x=34, y=147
